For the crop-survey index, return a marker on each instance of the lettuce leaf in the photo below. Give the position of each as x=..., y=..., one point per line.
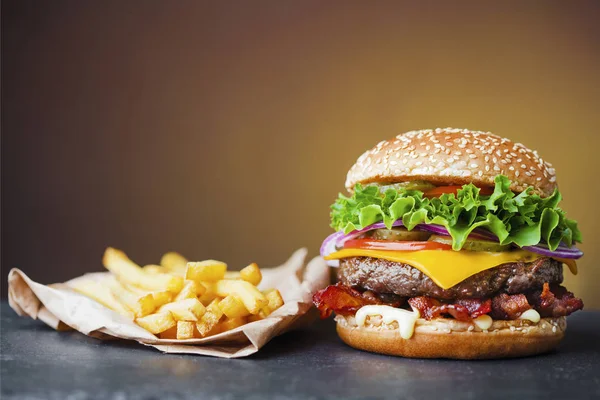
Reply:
x=525, y=219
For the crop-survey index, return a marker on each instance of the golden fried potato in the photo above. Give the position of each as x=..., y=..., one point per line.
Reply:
x=186, y=330
x=210, y=294
x=174, y=262
x=210, y=319
x=252, y=298
x=103, y=295
x=233, y=307
x=170, y=333
x=139, y=304
x=232, y=323
x=130, y=273
x=274, y=298
x=251, y=274
x=232, y=275
x=157, y=323
x=154, y=269
x=191, y=290
x=185, y=310
x=208, y=270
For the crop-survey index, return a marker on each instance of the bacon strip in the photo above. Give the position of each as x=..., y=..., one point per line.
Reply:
x=554, y=301
x=341, y=299
x=506, y=306
x=462, y=310
x=551, y=301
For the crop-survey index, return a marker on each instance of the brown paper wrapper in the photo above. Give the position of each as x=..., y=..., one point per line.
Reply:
x=62, y=309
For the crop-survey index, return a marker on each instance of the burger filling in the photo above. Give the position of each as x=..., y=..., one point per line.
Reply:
x=450, y=252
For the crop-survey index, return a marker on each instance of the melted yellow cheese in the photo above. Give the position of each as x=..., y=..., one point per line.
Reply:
x=572, y=264
x=446, y=268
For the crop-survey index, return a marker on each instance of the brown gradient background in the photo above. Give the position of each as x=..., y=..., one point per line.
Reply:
x=225, y=129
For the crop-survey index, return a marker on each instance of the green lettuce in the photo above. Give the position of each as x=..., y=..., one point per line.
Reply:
x=523, y=219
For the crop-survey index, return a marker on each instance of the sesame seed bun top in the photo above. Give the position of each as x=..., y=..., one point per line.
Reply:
x=453, y=157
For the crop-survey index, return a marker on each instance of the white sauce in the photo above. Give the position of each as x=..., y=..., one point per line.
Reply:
x=531, y=315
x=483, y=322
x=406, y=319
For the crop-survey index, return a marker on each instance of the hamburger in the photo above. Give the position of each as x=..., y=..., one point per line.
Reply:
x=450, y=244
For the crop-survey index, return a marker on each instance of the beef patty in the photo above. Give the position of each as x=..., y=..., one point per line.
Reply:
x=383, y=276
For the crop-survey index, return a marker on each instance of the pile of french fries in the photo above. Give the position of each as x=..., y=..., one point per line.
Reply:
x=179, y=299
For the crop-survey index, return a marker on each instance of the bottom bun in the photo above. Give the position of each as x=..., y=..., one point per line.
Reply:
x=449, y=338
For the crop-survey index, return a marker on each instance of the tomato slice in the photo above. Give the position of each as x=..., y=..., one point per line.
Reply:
x=373, y=244
x=440, y=190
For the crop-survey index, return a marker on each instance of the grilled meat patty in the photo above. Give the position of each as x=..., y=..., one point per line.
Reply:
x=383, y=276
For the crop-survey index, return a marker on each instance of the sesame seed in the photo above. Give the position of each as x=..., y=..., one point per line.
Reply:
x=474, y=165
x=517, y=173
x=472, y=156
x=418, y=163
x=480, y=173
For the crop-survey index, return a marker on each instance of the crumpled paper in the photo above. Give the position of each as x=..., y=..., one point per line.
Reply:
x=62, y=308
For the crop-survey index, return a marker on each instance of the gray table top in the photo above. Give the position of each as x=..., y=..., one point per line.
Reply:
x=37, y=362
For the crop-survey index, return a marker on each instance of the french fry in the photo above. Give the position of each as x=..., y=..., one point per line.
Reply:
x=174, y=262
x=139, y=304
x=208, y=270
x=210, y=294
x=154, y=269
x=275, y=299
x=232, y=323
x=103, y=295
x=249, y=295
x=191, y=290
x=128, y=272
x=160, y=297
x=251, y=274
x=157, y=323
x=210, y=319
x=233, y=307
x=186, y=330
x=253, y=318
x=185, y=310
x=232, y=275
x=170, y=333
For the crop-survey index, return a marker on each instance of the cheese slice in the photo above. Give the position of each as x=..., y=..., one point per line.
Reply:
x=446, y=268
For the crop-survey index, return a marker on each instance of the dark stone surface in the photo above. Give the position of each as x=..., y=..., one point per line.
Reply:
x=37, y=362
